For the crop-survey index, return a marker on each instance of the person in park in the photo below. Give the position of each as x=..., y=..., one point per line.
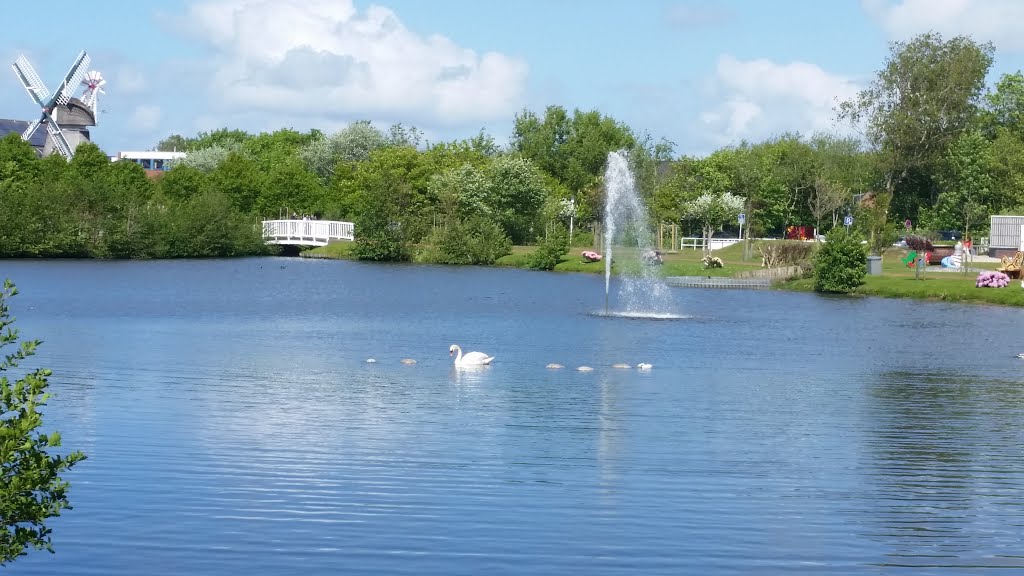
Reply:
x=31, y=489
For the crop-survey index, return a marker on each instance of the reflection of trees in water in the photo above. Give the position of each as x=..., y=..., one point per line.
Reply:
x=947, y=480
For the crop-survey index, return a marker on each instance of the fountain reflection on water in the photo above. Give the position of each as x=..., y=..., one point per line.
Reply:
x=642, y=293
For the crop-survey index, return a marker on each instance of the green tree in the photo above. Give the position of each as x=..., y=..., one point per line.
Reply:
x=573, y=149
x=840, y=263
x=183, y=182
x=224, y=137
x=241, y=179
x=173, y=143
x=1004, y=107
x=516, y=193
x=966, y=182
x=31, y=488
x=391, y=206
x=461, y=192
x=354, y=143
x=921, y=101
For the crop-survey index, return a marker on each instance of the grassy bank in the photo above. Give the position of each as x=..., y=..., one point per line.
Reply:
x=950, y=287
x=896, y=281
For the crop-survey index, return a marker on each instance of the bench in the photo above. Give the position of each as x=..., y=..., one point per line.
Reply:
x=1011, y=266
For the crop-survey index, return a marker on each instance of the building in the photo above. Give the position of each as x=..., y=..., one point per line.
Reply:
x=39, y=138
x=1006, y=235
x=150, y=159
x=74, y=119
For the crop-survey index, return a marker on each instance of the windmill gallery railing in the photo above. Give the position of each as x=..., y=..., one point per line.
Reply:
x=307, y=232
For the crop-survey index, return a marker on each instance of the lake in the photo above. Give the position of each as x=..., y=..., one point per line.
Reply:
x=233, y=425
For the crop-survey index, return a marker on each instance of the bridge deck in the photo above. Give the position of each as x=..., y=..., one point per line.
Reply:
x=307, y=232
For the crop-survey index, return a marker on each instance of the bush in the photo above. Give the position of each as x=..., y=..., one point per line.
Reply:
x=839, y=265
x=710, y=261
x=474, y=241
x=581, y=238
x=919, y=243
x=550, y=251
x=785, y=253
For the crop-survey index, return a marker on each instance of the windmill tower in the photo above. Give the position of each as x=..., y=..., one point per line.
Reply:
x=67, y=119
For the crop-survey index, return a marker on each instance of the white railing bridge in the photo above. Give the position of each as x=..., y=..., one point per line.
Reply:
x=307, y=232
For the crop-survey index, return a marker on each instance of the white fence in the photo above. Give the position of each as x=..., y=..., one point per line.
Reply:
x=698, y=243
x=307, y=232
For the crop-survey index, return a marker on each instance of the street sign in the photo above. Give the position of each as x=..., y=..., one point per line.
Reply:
x=742, y=218
x=848, y=221
x=907, y=224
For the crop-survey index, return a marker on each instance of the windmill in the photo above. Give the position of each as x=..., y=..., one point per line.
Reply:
x=49, y=105
x=93, y=83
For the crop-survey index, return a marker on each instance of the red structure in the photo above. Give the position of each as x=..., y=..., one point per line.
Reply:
x=800, y=233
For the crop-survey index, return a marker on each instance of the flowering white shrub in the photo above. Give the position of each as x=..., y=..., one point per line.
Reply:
x=710, y=261
x=992, y=280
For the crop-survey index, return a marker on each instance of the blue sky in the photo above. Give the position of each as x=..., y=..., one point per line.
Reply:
x=701, y=73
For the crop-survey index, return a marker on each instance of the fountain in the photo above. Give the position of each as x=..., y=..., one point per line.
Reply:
x=642, y=294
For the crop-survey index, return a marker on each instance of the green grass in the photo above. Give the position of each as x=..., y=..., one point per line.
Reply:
x=942, y=286
x=897, y=280
x=333, y=251
x=683, y=263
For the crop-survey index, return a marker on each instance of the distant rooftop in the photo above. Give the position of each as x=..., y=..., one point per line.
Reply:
x=150, y=155
x=19, y=126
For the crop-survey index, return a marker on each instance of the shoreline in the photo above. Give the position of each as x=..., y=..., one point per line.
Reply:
x=934, y=285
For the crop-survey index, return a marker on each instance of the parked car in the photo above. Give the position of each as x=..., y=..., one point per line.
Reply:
x=949, y=235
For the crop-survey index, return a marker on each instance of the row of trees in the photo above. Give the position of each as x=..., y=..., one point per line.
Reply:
x=932, y=145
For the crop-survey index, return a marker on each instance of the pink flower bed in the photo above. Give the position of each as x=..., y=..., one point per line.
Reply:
x=591, y=256
x=992, y=280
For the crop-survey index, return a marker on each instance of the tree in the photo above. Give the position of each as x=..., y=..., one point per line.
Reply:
x=826, y=197
x=966, y=185
x=173, y=143
x=354, y=143
x=209, y=158
x=572, y=149
x=919, y=103
x=711, y=211
x=461, y=192
x=390, y=204
x=1004, y=108
x=839, y=264
x=516, y=193
x=31, y=487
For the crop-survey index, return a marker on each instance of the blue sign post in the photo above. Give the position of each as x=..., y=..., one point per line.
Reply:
x=848, y=221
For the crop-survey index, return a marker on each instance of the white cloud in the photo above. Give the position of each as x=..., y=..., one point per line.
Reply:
x=326, y=61
x=144, y=119
x=997, y=21
x=760, y=98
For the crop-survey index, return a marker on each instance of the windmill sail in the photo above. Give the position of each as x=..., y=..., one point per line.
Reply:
x=59, y=140
x=27, y=134
x=31, y=81
x=73, y=78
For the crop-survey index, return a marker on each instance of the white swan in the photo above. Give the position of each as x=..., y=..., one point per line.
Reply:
x=470, y=359
x=644, y=366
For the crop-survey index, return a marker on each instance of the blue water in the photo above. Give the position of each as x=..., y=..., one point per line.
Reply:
x=233, y=426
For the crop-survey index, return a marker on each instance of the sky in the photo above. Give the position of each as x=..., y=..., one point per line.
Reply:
x=701, y=73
